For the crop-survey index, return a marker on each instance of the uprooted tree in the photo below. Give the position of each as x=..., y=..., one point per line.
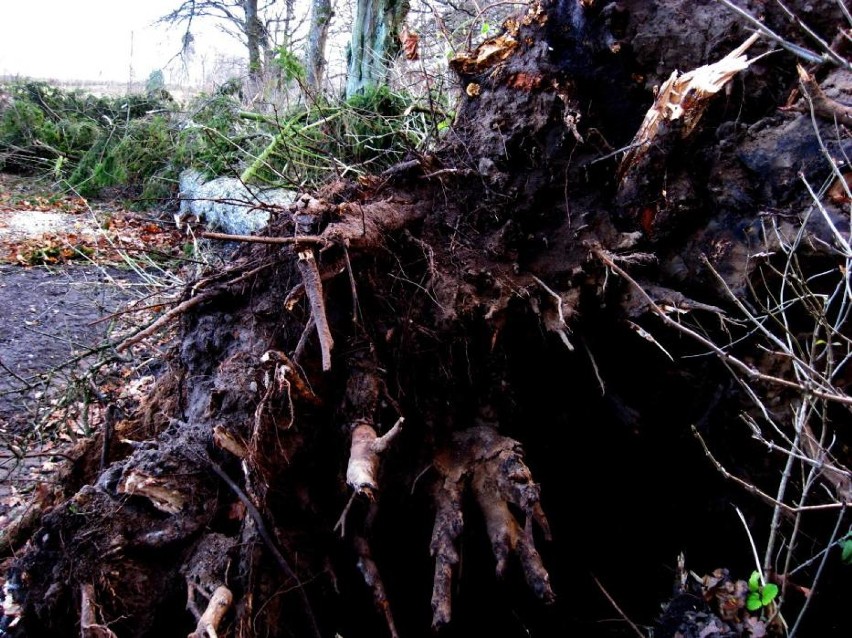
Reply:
x=343, y=413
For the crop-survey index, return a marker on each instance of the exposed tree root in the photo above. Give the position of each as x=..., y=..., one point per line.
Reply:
x=89, y=625
x=823, y=106
x=313, y=288
x=492, y=467
x=209, y=621
x=370, y=571
x=465, y=269
x=365, y=456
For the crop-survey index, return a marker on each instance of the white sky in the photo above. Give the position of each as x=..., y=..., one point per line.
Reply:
x=92, y=39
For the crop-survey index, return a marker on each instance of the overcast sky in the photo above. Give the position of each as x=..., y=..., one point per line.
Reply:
x=94, y=39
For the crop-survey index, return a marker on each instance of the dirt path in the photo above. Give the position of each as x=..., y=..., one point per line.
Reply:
x=50, y=316
x=63, y=275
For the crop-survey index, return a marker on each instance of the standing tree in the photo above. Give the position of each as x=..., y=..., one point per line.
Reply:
x=356, y=403
x=315, y=62
x=374, y=43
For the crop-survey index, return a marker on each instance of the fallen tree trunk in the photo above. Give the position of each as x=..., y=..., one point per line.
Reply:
x=473, y=295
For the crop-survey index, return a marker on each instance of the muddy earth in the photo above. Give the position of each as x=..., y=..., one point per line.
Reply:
x=51, y=316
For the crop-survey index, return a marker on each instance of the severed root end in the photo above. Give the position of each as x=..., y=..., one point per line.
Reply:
x=307, y=265
x=365, y=456
x=492, y=466
x=209, y=621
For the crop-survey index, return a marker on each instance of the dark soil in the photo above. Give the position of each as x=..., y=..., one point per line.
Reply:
x=50, y=316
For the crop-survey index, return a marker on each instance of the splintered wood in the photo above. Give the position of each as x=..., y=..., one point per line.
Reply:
x=492, y=467
x=684, y=98
x=163, y=492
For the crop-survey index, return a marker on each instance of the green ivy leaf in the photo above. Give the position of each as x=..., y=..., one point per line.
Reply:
x=484, y=29
x=753, y=601
x=754, y=581
x=768, y=593
x=846, y=551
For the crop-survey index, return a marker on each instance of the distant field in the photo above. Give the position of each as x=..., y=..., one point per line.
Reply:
x=107, y=88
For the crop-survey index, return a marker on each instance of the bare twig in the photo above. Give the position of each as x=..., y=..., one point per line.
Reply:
x=262, y=530
x=163, y=320
x=795, y=49
x=612, y=602
x=820, y=569
x=12, y=372
x=759, y=493
x=255, y=239
x=753, y=373
x=752, y=545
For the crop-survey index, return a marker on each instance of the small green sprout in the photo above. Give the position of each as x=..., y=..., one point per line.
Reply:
x=759, y=595
x=846, y=549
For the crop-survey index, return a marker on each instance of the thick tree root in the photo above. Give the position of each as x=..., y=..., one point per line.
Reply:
x=492, y=466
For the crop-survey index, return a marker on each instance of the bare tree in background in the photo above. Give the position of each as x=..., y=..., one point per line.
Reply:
x=258, y=24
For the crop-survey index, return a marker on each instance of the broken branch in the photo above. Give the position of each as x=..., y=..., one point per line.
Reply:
x=313, y=288
x=255, y=239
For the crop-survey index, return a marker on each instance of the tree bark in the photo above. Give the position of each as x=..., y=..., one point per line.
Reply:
x=315, y=62
x=374, y=43
x=256, y=41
